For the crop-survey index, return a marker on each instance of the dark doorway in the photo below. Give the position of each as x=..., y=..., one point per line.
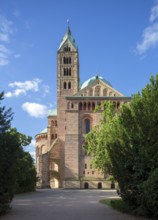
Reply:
x=99, y=185
x=86, y=186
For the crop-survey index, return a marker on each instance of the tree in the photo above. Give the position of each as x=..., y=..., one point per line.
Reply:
x=25, y=173
x=11, y=146
x=96, y=139
x=131, y=143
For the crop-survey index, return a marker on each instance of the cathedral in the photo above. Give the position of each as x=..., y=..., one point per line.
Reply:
x=61, y=161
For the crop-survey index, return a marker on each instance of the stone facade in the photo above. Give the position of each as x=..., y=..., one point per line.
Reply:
x=60, y=158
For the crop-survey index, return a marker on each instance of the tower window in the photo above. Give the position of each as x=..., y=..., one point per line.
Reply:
x=69, y=72
x=67, y=60
x=67, y=48
x=65, y=85
x=69, y=85
x=87, y=125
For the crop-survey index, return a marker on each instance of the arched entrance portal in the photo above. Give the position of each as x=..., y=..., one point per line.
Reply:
x=54, y=183
x=86, y=186
x=99, y=185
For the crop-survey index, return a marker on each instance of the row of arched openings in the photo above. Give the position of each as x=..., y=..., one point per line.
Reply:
x=53, y=136
x=87, y=106
x=54, y=122
x=90, y=106
x=86, y=185
x=98, y=92
x=67, y=71
x=67, y=48
x=67, y=60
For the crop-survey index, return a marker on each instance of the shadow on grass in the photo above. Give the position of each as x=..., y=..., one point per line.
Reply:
x=119, y=205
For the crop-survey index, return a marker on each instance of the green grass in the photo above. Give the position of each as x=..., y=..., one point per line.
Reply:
x=117, y=204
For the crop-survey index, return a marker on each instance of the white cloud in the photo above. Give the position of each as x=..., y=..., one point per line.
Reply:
x=6, y=26
x=33, y=142
x=35, y=110
x=150, y=39
x=23, y=87
x=27, y=85
x=6, y=29
x=4, y=53
x=154, y=13
x=150, y=34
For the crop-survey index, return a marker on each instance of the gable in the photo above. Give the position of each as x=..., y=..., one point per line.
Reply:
x=99, y=88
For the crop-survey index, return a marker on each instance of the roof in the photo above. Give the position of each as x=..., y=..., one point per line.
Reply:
x=52, y=112
x=92, y=79
x=68, y=36
x=43, y=131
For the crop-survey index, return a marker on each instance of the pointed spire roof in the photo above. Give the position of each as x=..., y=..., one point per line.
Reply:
x=68, y=36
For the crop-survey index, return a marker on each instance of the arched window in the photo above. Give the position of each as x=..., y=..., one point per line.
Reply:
x=97, y=91
x=55, y=122
x=69, y=60
x=69, y=72
x=72, y=105
x=52, y=123
x=89, y=106
x=118, y=104
x=69, y=85
x=67, y=48
x=65, y=85
x=84, y=106
x=87, y=125
x=93, y=106
x=90, y=92
x=110, y=93
x=80, y=106
x=105, y=92
x=65, y=71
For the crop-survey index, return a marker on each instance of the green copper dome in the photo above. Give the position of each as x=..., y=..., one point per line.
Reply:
x=92, y=79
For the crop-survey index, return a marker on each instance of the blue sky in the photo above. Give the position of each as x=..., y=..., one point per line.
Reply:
x=118, y=39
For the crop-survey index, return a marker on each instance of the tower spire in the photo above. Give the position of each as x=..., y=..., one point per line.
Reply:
x=68, y=26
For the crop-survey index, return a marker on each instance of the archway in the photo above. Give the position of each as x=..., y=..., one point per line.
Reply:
x=99, y=185
x=54, y=183
x=86, y=186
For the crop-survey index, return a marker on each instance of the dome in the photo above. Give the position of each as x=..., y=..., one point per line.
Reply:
x=43, y=131
x=53, y=112
x=92, y=79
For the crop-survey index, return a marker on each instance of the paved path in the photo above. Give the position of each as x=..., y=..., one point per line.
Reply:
x=64, y=205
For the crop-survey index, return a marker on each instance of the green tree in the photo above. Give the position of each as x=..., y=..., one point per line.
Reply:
x=25, y=173
x=96, y=139
x=131, y=142
x=11, y=146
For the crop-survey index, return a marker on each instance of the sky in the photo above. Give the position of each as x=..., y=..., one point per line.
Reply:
x=117, y=39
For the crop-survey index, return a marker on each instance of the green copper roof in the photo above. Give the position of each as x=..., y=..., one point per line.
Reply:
x=68, y=36
x=92, y=79
x=43, y=131
x=53, y=112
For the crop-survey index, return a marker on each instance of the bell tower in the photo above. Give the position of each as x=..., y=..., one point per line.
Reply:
x=67, y=85
x=67, y=66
